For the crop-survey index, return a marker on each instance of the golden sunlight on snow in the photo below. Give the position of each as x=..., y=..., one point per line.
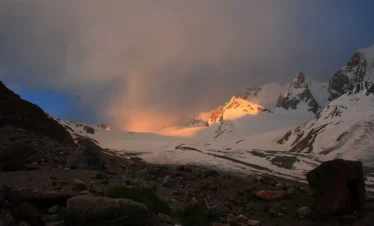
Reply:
x=180, y=132
x=234, y=109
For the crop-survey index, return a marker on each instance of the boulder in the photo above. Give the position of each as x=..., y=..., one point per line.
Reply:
x=79, y=185
x=168, y=181
x=91, y=211
x=304, y=211
x=88, y=157
x=338, y=187
x=254, y=223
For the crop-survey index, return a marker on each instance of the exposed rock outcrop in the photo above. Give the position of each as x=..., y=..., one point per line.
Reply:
x=22, y=114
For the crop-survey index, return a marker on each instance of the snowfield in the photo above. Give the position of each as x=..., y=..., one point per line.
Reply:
x=281, y=130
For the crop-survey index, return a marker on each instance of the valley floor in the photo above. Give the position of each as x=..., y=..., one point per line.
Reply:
x=231, y=196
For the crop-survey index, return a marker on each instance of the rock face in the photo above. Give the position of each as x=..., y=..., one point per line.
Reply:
x=90, y=211
x=20, y=113
x=338, y=187
x=346, y=121
x=298, y=92
x=89, y=129
x=105, y=127
x=355, y=71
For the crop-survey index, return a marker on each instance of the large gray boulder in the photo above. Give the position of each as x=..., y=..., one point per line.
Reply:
x=92, y=211
x=88, y=157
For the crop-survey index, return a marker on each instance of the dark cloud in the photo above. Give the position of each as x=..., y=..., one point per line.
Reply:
x=148, y=64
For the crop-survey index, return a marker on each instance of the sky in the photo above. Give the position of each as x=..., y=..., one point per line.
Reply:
x=144, y=65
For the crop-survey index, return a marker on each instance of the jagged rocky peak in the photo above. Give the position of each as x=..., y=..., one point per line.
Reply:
x=300, y=81
x=299, y=92
x=341, y=121
x=359, y=68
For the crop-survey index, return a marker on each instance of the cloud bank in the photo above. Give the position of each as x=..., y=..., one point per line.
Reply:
x=144, y=65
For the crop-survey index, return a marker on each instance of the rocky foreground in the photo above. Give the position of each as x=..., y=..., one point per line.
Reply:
x=77, y=195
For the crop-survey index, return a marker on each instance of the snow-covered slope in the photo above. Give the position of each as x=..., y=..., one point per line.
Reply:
x=359, y=68
x=339, y=128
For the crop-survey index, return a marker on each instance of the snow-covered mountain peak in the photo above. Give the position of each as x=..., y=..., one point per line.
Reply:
x=303, y=90
x=300, y=81
x=358, y=69
x=233, y=109
x=368, y=53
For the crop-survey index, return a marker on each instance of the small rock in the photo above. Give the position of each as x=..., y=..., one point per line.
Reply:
x=86, y=193
x=370, y=207
x=291, y=192
x=102, y=176
x=369, y=197
x=32, y=166
x=240, y=219
x=253, y=223
x=79, y=185
x=54, y=183
x=104, y=182
x=304, y=189
x=304, y=211
x=54, y=209
x=141, y=174
x=128, y=181
x=24, y=223
x=54, y=217
x=211, y=173
x=180, y=168
x=168, y=181
x=273, y=212
x=167, y=219
x=95, y=190
x=270, y=194
x=59, y=223
x=53, y=177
